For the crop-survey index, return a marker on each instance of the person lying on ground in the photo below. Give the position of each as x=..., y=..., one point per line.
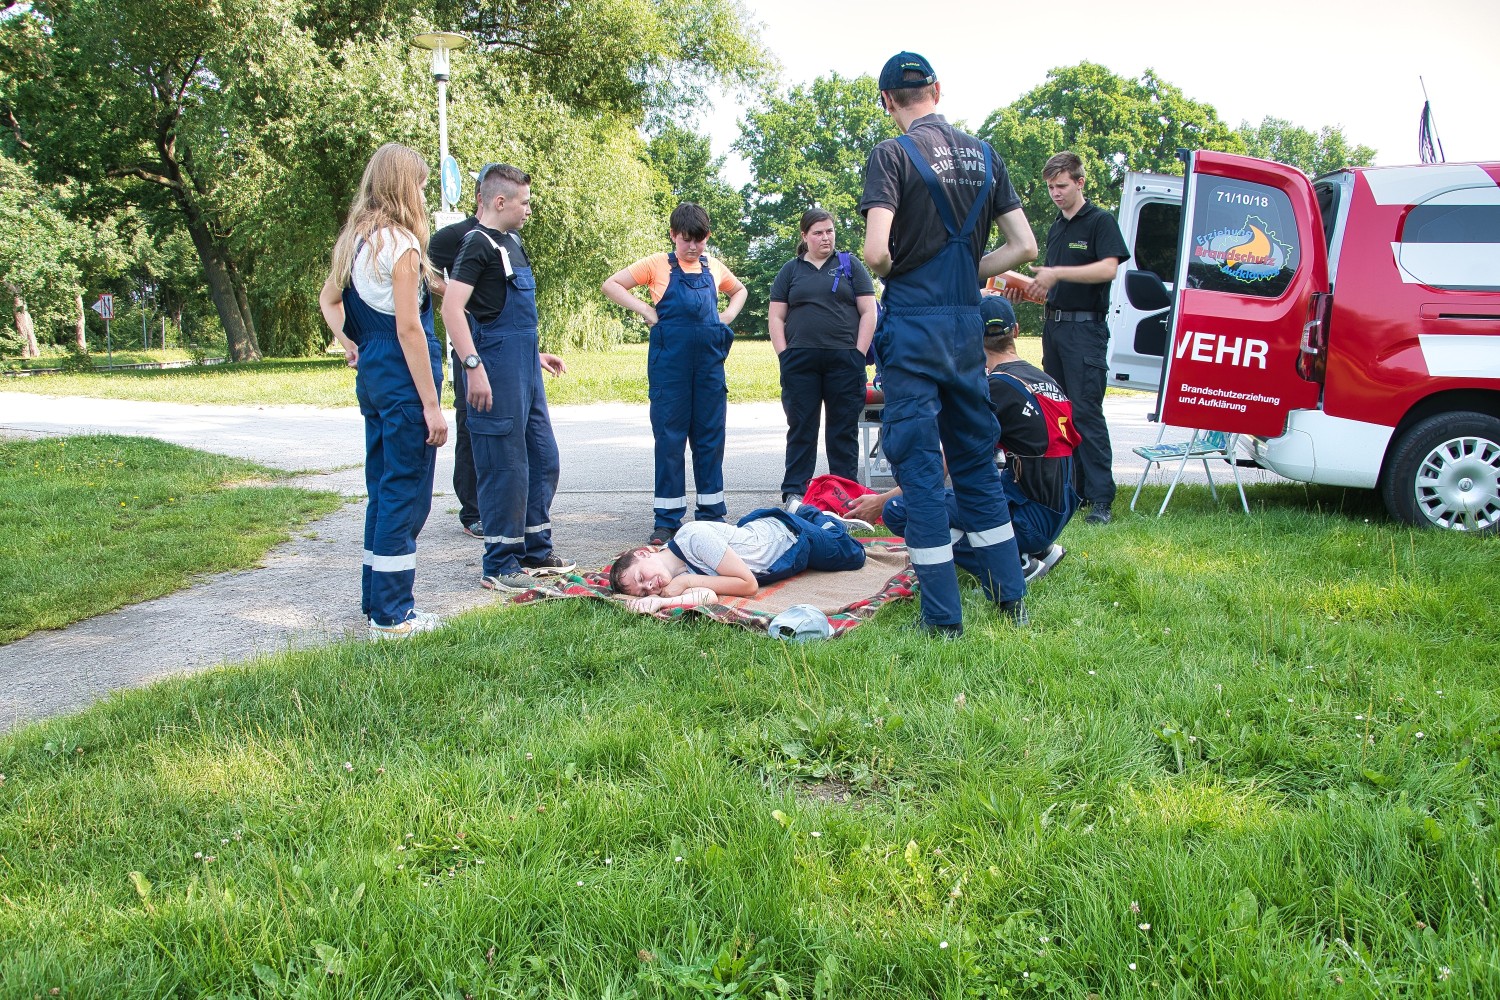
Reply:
x=707, y=560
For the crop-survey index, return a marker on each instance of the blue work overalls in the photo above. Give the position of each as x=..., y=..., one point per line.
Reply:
x=515, y=453
x=822, y=542
x=399, y=463
x=689, y=397
x=930, y=343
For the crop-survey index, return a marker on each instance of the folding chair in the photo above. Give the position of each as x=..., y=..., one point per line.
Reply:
x=1204, y=446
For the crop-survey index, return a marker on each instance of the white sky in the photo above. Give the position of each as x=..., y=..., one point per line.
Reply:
x=1314, y=62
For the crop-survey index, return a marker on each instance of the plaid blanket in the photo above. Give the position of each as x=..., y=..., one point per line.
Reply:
x=887, y=576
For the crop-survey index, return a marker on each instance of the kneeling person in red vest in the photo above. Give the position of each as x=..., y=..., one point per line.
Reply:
x=1038, y=438
x=707, y=560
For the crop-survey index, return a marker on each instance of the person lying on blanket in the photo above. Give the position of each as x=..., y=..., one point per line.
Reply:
x=707, y=560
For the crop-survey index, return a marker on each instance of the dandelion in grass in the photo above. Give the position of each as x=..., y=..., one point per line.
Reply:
x=943, y=945
x=677, y=860
x=1444, y=972
x=960, y=701
x=1131, y=966
x=529, y=757
x=348, y=766
x=608, y=862
x=1144, y=927
x=816, y=834
x=1135, y=907
x=579, y=883
x=400, y=847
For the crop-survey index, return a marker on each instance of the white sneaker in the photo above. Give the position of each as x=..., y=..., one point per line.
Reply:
x=853, y=523
x=417, y=621
x=792, y=503
x=1041, y=564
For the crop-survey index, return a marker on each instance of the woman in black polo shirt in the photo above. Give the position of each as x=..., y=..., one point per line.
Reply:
x=822, y=319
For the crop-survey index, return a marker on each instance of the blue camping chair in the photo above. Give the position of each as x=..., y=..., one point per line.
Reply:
x=1204, y=446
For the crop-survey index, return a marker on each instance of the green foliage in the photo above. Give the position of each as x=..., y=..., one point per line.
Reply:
x=1312, y=153
x=38, y=246
x=1114, y=123
x=806, y=149
x=92, y=523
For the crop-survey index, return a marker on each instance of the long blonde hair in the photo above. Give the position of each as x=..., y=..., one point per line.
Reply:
x=389, y=196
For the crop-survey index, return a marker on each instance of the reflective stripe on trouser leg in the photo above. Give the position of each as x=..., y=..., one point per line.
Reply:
x=398, y=508
x=909, y=435
x=670, y=416
x=710, y=412
x=543, y=469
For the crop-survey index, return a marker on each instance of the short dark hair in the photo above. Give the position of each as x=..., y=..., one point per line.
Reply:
x=916, y=93
x=500, y=178
x=1064, y=162
x=623, y=561
x=1000, y=342
x=690, y=220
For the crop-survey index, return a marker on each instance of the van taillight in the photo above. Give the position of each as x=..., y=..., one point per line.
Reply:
x=1312, y=359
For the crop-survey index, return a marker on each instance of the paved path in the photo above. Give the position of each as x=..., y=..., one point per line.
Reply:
x=307, y=591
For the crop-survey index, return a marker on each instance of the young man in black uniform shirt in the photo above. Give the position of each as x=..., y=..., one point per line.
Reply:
x=1084, y=250
x=931, y=197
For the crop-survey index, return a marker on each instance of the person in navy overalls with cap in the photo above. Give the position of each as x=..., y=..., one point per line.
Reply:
x=690, y=338
x=376, y=303
x=931, y=196
x=510, y=430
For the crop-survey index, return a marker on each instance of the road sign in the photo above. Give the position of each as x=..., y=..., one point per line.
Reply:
x=453, y=187
x=105, y=307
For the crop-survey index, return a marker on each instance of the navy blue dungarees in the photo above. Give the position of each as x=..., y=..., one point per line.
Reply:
x=515, y=453
x=930, y=343
x=689, y=397
x=399, y=463
x=822, y=542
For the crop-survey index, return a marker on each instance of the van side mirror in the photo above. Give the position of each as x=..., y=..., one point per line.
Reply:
x=1146, y=291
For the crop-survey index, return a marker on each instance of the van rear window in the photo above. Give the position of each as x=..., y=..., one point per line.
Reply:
x=1244, y=239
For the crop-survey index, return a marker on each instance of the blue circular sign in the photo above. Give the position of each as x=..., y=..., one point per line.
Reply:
x=452, y=181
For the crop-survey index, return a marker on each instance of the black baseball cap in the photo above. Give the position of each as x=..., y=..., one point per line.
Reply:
x=997, y=311
x=893, y=76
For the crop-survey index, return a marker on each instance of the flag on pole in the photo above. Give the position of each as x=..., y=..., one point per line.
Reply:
x=1429, y=146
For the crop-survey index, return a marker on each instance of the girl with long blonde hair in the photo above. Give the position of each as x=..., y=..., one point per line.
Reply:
x=376, y=302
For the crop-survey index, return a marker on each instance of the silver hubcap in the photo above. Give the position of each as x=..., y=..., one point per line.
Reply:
x=1458, y=484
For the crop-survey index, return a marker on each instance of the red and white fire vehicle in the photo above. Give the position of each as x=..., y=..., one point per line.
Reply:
x=1348, y=327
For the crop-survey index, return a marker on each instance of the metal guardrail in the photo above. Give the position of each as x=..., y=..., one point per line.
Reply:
x=143, y=366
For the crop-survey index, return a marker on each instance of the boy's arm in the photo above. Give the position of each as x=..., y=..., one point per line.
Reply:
x=618, y=289
x=456, y=321
x=732, y=579
x=736, y=303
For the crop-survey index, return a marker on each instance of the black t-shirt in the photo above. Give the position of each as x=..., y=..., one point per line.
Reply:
x=1023, y=431
x=817, y=314
x=892, y=181
x=442, y=249
x=480, y=264
x=1092, y=234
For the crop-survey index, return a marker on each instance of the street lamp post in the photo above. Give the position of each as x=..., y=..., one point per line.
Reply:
x=441, y=44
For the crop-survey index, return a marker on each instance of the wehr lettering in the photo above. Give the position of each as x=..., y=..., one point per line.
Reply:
x=1217, y=349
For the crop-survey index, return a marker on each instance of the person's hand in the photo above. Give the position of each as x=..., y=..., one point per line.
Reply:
x=480, y=397
x=1045, y=279
x=1013, y=293
x=351, y=354
x=437, y=427
x=553, y=365
x=694, y=596
x=649, y=604
x=868, y=507
x=649, y=315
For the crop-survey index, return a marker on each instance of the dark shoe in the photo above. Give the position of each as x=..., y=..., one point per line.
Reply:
x=952, y=631
x=1099, y=515
x=511, y=583
x=474, y=529
x=553, y=565
x=1015, y=611
x=661, y=536
x=1039, y=565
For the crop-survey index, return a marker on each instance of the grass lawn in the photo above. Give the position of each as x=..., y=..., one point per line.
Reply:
x=1232, y=757
x=616, y=375
x=88, y=524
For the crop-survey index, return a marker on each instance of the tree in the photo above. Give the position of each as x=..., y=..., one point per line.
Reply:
x=38, y=244
x=1115, y=123
x=806, y=149
x=1313, y=154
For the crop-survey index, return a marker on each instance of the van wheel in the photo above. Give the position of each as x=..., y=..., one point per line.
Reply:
x=1445, y=472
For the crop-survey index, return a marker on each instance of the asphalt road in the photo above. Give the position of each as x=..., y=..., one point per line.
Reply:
x=307, y=591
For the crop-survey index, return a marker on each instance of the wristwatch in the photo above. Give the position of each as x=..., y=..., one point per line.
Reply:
x=471, y=362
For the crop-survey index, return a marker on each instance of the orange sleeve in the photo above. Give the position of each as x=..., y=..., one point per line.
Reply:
x=653, y=272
